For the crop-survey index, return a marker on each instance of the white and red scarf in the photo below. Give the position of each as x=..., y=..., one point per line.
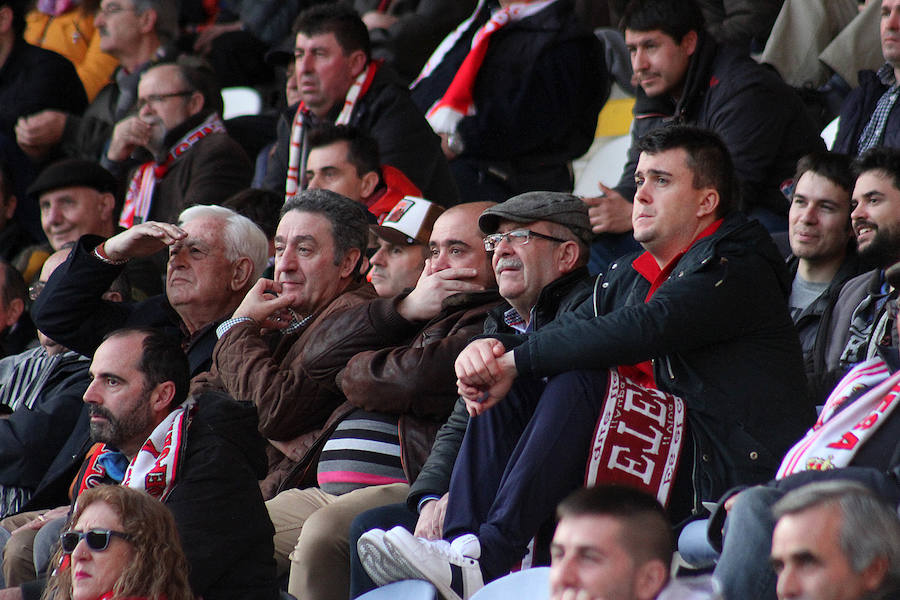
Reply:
x=637, y=441
x=357, y=90
x=139, y=197
x=457, y=101
x=156, y=465
x=836, y=436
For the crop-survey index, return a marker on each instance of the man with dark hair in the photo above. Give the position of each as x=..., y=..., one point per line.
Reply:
x=629, y=528
x=139, y=33
x=175, y=449
x=193, y=159
x=345, y=160
x=823, y=252
x=261, y=352
x=864, y=311
x=659, y=338
x=836, y=541
x=514, y=93
x=685, y=77
x=339, y=83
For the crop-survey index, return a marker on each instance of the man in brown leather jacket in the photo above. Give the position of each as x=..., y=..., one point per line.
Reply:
x=396, y=359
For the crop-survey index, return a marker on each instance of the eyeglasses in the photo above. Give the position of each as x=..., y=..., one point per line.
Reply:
x=158, y=98
x=108, y=11
x=35, y=289
x=96, y=539
x=517, y=237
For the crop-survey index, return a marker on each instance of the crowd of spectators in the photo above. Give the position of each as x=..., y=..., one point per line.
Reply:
x=368, y=334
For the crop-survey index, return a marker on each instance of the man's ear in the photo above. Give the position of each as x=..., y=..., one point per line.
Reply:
x=689, y=42
x=873, y=575
x=348, y=263
x=6, y=19
x=357, y=61
x=161, y=398
x=147, y=21
x=241, y=273
x=106, y=205
x=567, y=256
x=368, y=183
x=649, y=579
x=709, y=203
x=14, y=311
x=196, y=103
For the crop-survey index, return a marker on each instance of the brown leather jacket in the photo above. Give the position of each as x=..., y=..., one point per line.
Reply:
x=394, y=366
x=293, y=395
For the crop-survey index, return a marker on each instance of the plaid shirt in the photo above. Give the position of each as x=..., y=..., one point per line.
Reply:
x=874, y=130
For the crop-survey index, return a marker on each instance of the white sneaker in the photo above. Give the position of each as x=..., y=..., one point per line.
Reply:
x=378, y=561
x=451, y=566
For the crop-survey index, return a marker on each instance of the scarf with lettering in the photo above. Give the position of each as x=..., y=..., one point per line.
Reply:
x=457, y=101
x=836, y=436
x=156, y=465
x=139, y=197
x=296, y=160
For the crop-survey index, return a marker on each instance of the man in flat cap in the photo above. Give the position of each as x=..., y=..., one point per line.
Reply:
x=402, y=245
x=657, y=361
x=539, y=245
x=76, y=197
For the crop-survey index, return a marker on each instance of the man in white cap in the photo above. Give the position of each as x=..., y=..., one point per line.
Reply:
x=402, y=245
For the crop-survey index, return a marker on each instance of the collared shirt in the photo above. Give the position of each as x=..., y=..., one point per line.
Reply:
x=296, y=324
x=874, y=130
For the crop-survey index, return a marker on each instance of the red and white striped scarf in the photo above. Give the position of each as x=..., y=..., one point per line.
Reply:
x=836, y=436
x=457, y=101
x=357, y=90
x=155, y=467
x=139, y=197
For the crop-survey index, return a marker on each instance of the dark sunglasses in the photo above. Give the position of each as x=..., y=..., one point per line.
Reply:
x=96, y=539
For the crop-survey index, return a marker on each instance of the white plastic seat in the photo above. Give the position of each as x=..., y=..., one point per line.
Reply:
x=411, y=589
x=530, y=584
x=241, y=101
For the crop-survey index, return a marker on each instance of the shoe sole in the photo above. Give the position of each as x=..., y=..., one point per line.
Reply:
x=379, y=564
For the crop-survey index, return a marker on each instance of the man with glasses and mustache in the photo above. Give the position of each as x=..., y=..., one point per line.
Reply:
x=193, y=160
x=149, y=435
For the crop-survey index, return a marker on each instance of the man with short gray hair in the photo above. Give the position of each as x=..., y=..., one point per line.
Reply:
x=836, y=540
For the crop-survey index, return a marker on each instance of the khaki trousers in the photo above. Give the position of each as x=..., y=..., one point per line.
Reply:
x=311, y=536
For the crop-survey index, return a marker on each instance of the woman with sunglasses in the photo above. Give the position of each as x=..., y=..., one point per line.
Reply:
x=119, y=543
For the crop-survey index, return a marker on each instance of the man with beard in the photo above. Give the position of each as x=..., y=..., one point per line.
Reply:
x=192, y=158
x=199, y=455
x=867, y=306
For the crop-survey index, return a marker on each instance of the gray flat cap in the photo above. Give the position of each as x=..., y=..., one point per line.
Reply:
x=556, y=207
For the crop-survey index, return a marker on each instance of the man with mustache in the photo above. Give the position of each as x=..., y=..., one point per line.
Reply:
x=867, y=306
x=684, y=77
x=194, y=160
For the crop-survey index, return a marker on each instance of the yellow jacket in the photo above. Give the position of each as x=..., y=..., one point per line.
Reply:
x=73, y=35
